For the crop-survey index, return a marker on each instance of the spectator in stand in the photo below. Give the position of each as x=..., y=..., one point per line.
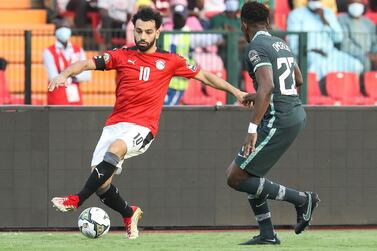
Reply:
x=56, y=58
x=195, y=8
x=79, y=7
x=228, y=20
x=331, y=4
x=360, y=39
x=184, y=45
x=213, y=7
x=342, y=5
x=181, y=18
x=163, y=6
x=324, y=35
x=115, y=15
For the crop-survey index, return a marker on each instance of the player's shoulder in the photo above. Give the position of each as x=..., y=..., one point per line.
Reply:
x=260, y=43
x=159, y=50
x=263, y=39
x=268, y=43
x=167, y=54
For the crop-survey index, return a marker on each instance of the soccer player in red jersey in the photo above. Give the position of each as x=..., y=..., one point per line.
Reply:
x=143, y=76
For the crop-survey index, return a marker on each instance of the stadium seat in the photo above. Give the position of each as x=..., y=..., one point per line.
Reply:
x=23, y=16
x=19, y=29
x=281, y=14
x=219, y=95
x=249, y=87
x=5, y=97
x=370, y=83
x=98, y=99
x=90, y=54
x=36, y=99
x=198, y=94
x=102, y=82
x=16, y=4
x=16, y=78
x=372, y=16
x=12, y=48
x=195, y=96
x=344, y=87
x=314, y=95
x=209, y=61
x=210, y=14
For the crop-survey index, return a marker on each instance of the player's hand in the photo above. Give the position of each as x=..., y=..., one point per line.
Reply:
x=57, y=81
x=240, y=95
x=249, y=99
x=249, y=145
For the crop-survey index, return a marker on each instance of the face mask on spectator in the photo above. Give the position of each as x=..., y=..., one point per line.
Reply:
x=232, y=5
x=63, y=34
x=356, y=9
x=313, y=5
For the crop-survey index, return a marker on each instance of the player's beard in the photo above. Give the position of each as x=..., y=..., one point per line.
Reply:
x=144, y=48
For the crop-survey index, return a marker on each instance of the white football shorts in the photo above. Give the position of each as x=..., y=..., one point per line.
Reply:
x=137, y=138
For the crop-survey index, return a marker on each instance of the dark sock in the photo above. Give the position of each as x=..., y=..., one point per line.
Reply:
x=262, y=215
x=266, y=189
x=111, y=197
x=98, y=177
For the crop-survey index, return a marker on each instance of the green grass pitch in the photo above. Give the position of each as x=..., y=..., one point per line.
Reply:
x=315, y=240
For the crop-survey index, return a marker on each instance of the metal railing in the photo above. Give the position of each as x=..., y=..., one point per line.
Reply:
x=28, y=79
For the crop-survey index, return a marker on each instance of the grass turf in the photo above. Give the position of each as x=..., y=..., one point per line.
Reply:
x=331, y=240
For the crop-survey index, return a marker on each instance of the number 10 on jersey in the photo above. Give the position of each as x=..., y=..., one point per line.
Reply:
x=144, y=73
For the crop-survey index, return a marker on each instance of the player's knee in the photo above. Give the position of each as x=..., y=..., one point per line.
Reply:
x=232, y=181
x=119, y=148
x=111, y=158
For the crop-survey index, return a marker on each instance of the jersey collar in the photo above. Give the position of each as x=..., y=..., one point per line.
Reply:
x=261, y=33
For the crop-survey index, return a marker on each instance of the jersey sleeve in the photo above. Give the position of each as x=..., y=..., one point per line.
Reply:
x=256, y=57
x=108, y=60
x=185, y=69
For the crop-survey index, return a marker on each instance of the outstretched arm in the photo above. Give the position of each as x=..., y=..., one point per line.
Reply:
x=218, y=83
x=70, y=71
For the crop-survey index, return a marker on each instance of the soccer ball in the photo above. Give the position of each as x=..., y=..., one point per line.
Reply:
x=94, y=222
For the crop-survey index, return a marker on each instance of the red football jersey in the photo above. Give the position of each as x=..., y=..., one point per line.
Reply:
x=142, y=83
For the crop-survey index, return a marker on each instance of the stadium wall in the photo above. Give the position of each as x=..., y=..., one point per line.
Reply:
x=180, y=180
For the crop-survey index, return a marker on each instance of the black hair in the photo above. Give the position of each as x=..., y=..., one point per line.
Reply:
x=148, y=14
x=254, y=12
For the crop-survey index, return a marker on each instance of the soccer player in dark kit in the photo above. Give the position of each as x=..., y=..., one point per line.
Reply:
x=143, y=76
x=276, y=120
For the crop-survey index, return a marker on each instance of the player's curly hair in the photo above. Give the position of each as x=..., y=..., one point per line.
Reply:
x=254, y=12
x=148, y=14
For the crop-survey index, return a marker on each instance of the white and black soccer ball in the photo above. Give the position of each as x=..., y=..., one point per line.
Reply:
x=94, y=222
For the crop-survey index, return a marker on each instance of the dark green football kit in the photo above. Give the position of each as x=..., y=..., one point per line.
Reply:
x=285, y=116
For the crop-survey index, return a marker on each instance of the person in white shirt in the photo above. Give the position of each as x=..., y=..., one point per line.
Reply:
x=56, y=58
x=360, y=40
x=324, y=34
x=115, y=14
